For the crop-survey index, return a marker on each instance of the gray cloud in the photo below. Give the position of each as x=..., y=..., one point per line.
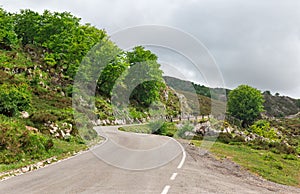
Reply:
x=254, y=42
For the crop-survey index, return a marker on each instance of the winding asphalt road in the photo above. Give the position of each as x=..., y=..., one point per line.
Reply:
x=137, y=163
x=124, y=163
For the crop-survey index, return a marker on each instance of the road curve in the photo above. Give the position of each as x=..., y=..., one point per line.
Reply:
x=136, y=163
x=124, y=163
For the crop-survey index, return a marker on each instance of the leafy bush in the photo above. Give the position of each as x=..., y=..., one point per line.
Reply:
x=16, y=142
x=14, y=99
x=230, y=139
x=185, y=128
x=225, y=138
x=262, y=128
x=275, y=147
x=163, y=128
x=238, y=138
x=121, y=129
x=42, y=117
x=155, y=126
x=170, y=129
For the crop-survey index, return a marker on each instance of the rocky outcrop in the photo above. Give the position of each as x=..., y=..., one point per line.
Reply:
x=62, y=130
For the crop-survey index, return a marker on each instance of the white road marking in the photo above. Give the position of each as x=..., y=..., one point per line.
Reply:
x=183, y=157
x=173, y=176
x=166, y=189
x=183, y=153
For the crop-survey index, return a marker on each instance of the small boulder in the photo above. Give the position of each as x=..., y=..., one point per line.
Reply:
x=24, y=115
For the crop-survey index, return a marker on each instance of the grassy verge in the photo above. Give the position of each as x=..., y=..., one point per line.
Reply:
x=157, y=127
x=136, y=128
x=279, y=168
x=61, y=149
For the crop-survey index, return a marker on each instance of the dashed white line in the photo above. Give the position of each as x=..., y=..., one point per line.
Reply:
x=173, y=176
x=166, y=189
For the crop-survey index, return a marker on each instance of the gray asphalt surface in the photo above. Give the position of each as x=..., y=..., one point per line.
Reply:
x=135, y=163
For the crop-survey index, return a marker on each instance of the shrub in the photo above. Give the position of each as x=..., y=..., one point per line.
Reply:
x=238, y=138
x=121, y=129
x=262, y=128
x=275, y=147
x=170, y=129
x=42, y=117
x=185, y=128
x=289, y=157
x=16, y=142
x=14, y=99
x=225, y=138
x=155, y=126
x=277, y=165
x=163, y=128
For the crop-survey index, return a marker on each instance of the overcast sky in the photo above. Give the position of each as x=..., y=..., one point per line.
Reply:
x=254, y=42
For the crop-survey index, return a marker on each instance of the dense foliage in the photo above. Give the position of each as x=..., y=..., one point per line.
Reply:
x=40, y=55
x=61, y=35
x=17, y=143
x=245, y=103
x=8, y=37
x=263, y=129
x=14, y=99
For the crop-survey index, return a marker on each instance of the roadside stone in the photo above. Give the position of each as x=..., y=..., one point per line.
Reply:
x=98, y=122
x=24, y=115
x=25, y=169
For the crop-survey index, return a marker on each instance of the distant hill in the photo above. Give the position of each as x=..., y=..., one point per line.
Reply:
x=275, y=105
x=280, y=106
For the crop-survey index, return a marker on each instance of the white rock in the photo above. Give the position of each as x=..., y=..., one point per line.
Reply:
x=25, y=169
x=62, y=133
x=24, y=115
x=39, y=164
x=98, y=122
x=104, y=122
x=228, y=130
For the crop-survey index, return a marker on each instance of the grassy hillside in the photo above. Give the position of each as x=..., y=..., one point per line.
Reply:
x=40, y=54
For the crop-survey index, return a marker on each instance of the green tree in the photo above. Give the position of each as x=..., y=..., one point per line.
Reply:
x=27, y=24
x=245, y=103
x=60, y=34
x=8, y=37
x=114, y=71
x=144, y=71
